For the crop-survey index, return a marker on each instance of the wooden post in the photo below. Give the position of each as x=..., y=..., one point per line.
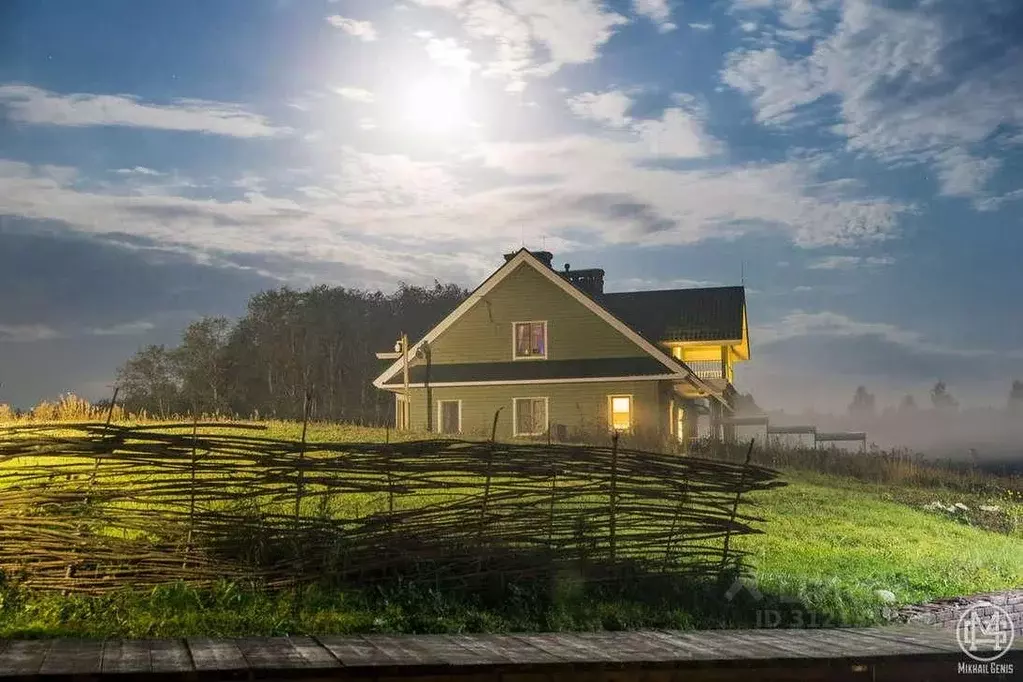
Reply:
x=405, y=382
x=735, y=506
x=486, y=482
x=191, y=496
x=613, y=498
x=301, y=458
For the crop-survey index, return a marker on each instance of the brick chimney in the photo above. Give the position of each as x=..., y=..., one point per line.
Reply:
x=589, y=281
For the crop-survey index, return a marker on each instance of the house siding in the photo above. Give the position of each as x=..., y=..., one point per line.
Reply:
x=484, y=332
x=581, y=407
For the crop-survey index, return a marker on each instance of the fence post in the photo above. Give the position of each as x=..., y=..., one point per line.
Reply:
x=486, y=482
x=735, y=507
x=106, y=428
x=613, y=497
x=301, y=459
x=191, y=491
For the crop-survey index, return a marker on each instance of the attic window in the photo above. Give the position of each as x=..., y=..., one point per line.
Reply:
x=529, y=340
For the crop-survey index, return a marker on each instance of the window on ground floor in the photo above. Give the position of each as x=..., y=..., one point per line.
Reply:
x=621, y=412
x=449, y=416
x=529, y=416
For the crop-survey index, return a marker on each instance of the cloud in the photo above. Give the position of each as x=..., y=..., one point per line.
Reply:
x=831, y=324
x=521, y=31
x=447, y=53
x=963, y=175
x=934, y=82
x=678, y=132
x=27, y=333
x=363, y=30
x=697, y=26
x=850, y=262
x=604, y=107
x=656, y=11
x=355, y=94
x=29, y=104
x=124, y=329
x=137, y=170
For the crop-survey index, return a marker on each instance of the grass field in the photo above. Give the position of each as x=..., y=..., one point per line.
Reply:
x=831, y=542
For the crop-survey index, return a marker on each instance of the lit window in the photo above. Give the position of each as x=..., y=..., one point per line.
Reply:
x=530, y=339
x=621, y=412
x=530, y=416
x=449, y=416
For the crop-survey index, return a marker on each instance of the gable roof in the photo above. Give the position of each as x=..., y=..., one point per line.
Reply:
x=707, y=314
x=523, y=256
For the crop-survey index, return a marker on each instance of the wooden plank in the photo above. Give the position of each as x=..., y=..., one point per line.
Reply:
x=215, y=655
x=72, y=657
x=482, y=649
x=702, y=645
x=23, y=657
x=459, y=650
x=126, y=656
x=568, y=647
x=353, y=651
x=513, y=649
x=404, y=651
x=314, y=652
x=635, y=646
x=915, y=639
x=271, y=653
x=170, y=656
x=837, y=643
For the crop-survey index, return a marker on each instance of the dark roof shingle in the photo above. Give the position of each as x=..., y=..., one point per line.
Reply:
x=707, y=314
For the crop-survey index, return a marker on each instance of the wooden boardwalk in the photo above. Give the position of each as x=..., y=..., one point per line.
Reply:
x=902, y=653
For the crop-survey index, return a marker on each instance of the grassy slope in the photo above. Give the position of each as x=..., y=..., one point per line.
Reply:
x=830, y=543
x=834, y=541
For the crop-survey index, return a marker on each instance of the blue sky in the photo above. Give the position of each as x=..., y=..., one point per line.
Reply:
x=164, y=160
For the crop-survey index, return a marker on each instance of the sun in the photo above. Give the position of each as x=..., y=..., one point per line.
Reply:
x=436, y=106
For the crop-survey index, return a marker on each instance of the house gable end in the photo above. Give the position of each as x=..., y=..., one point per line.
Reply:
x=578, y=327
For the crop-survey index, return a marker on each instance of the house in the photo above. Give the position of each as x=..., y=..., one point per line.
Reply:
x=550, y=351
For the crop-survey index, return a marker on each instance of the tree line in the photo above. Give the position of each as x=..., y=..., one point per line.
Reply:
x=289, y=344
x=864, y=403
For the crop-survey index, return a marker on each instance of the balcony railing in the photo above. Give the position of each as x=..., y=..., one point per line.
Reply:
x=707, y=369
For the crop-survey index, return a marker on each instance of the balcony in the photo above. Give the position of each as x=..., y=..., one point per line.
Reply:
x=707, y=369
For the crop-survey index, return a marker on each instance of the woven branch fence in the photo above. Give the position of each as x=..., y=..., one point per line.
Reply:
x=94, y=507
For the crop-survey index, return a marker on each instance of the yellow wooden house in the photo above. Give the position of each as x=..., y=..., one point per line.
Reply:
x=536, y=352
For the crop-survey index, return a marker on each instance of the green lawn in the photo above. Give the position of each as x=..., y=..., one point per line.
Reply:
x=830, y=543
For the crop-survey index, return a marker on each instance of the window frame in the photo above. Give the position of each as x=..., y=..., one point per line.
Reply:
x=515, y=416
x=515, y=340
x=611, y=412
x=440, y=415
x=401, y=412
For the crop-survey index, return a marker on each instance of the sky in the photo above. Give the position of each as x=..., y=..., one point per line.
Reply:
x=858, y=164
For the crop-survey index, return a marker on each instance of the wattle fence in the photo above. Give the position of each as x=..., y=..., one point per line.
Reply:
x=93, y=507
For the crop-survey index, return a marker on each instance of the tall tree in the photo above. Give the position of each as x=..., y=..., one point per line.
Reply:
x=201, y=363
x=908, y=404
x=863, y=403
x=941, y=399
x=150, y=382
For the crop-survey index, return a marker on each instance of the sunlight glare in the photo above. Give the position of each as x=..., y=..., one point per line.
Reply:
x=436, y=106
